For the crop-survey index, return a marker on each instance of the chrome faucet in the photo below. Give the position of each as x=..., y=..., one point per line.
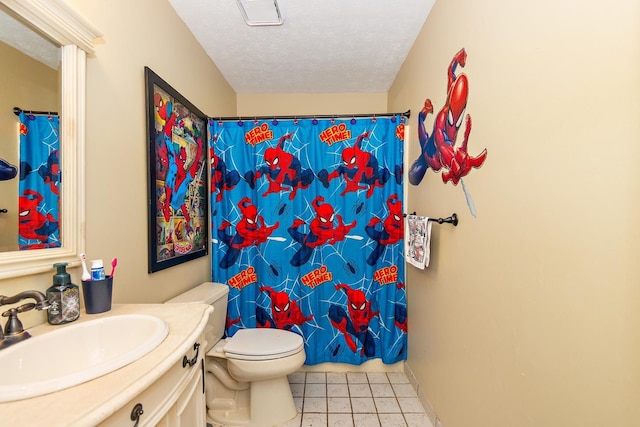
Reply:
x=13, y=330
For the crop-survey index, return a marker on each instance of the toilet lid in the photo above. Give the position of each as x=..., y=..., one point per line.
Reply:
x=263, y=344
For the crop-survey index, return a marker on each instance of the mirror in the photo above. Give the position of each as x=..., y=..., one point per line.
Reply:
x=29, y=157
x=64, y=27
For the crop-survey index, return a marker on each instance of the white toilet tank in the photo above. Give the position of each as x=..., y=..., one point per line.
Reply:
x=216, y=295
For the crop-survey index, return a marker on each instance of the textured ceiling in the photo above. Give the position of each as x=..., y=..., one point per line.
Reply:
x=324, y=46
x=18, y=36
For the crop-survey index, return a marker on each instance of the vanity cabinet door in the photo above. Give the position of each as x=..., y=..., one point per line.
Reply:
x=190, y=409
x=175, y=400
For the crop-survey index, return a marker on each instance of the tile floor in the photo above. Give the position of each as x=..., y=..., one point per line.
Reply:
x=355, y=400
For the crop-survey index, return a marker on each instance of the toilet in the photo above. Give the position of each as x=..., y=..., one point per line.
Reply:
x=246, y=375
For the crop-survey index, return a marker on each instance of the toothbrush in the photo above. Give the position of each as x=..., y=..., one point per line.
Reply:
x=85, y=273
x=114, y=262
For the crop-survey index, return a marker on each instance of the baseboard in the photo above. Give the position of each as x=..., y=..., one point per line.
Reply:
x=431, y=413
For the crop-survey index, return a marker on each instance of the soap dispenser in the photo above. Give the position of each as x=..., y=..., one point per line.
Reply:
x=64, y=297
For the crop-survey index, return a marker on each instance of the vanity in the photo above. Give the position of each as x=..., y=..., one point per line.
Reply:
x=165, y=386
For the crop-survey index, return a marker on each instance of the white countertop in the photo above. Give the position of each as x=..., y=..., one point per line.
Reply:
x=90, y=403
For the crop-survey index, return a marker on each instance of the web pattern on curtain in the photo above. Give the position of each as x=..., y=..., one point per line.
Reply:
x=307, y=230
x=40, y=180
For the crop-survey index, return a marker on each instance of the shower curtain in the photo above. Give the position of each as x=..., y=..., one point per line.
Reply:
x=307, y=231
x=39, y=187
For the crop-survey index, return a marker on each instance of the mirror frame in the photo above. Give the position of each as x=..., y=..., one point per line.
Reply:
x=75, y=35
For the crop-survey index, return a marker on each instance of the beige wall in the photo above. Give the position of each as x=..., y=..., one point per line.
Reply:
x=311, y=103
x=30, y=85
x=528, y=315
x=136, y=34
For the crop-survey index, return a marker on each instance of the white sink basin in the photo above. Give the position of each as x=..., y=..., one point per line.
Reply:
x=76, y=353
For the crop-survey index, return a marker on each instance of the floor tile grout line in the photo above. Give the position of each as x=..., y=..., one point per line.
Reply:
x=326, y=413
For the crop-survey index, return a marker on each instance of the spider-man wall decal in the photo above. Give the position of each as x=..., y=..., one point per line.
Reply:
x=438, y=150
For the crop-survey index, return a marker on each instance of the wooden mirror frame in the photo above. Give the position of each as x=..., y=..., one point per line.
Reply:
x=74, y=34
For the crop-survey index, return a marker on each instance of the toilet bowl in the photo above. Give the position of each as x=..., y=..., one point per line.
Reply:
x=246, y=374
x=278, y=349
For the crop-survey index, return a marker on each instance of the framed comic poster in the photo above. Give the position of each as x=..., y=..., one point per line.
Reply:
x=178, y=183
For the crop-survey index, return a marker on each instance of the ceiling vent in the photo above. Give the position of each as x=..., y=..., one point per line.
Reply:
x=260, y=13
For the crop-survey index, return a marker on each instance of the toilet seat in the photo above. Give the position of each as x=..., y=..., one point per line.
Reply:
x=262, y=344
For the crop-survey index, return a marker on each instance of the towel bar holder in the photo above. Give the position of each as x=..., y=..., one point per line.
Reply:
x=453, y=219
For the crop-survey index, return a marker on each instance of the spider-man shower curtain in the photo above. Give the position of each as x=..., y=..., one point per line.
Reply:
x=39, y=191
x=307, y=226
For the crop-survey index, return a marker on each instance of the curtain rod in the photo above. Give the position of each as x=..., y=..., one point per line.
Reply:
x=406, y=114
x=18, y=110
